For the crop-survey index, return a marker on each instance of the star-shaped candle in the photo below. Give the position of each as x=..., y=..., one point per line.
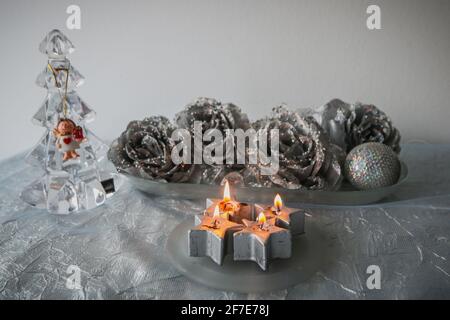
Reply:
x=230, y=227
x=229, y=207
x=212, y=236
x=288, y=218
x=261, y=241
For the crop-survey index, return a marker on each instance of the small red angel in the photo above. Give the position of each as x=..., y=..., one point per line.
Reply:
x=68, y=138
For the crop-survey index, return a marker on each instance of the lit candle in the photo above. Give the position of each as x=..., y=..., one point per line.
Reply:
x=228, y=226
x=289, y=218
x=277, y=203
x=226, y=192
x=217, y=213
x=261, y=241
x=261, y=218
x=229, y=207
x=211, y=235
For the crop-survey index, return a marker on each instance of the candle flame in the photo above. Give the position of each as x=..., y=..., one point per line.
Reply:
x=261, y=218
x=277, y=202
x=226, y=192
x=216, y=211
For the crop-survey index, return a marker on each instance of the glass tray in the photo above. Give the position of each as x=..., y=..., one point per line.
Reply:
x=311, y=253
x=346, y=195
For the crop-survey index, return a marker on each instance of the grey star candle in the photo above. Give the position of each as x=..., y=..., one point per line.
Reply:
x=230, y=208
x=212, y=237
x=260, y=241
x=285, y=217
x=229, y=227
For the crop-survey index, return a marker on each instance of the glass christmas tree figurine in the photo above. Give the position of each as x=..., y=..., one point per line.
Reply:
x=76, y=173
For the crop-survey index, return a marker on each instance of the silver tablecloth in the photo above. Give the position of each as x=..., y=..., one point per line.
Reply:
x=120, y=247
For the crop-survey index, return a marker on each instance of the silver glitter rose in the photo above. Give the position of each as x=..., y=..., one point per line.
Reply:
x=213, y=115
x=306, y=159
x=144, y=150
x=350, y=125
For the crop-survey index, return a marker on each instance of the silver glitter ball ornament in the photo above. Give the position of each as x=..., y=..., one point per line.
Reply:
x=372, y=165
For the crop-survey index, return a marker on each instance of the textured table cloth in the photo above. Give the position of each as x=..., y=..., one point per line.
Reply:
x=120, y=247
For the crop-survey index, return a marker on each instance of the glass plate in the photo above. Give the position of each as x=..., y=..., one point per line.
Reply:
x=346, y=195
x=311, y=253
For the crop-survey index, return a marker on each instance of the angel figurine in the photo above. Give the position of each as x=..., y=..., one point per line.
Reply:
x=68, y=138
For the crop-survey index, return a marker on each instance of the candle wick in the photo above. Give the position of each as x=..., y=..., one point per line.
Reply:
x=263, y=226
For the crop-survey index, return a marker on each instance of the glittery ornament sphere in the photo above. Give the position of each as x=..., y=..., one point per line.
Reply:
x=372, y=165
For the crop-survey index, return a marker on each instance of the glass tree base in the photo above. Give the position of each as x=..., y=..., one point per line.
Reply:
x=34, y=195
x=61, y=195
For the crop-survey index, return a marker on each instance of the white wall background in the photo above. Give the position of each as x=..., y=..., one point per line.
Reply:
x=152, y=57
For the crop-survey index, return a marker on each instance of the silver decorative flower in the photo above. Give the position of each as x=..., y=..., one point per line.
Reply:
x=306, y=158
x=213, y=115
x=350, y=125
x=144, y=149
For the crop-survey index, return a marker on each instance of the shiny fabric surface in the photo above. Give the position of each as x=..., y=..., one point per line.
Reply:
x=120, y=247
